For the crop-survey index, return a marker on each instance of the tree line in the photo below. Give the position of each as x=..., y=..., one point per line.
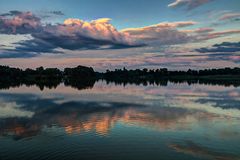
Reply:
x=82, y=77
x=164, y=72
x=79, y=77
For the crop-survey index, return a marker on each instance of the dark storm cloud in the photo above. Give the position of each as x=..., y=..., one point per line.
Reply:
x=78, y=42
x=223, y=47
x=10, y=54
x=11, y=13
x=36, y=46
x=58, y=13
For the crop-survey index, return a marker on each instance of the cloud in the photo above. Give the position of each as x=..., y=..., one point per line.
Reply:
x=58, y=13
x=77, y=34
x=163, y=25
x=200, y=30
x=204, y=34
x=165, y=33
x=213, y=35
x=171, y=33
x=19, y=23
x=10, y=54
x=229, y=16
x=190, y=4
x=73, y=34
x=11, y=13
x=35, y=46
x=49, y=15
x=223, y=47
x=99, y=29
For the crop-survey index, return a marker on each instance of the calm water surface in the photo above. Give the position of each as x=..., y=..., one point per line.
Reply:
x=108, y=121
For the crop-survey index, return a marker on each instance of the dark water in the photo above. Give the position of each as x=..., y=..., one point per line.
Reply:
x=177, y=121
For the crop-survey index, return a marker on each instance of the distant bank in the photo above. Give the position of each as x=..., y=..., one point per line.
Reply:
x=81, y=77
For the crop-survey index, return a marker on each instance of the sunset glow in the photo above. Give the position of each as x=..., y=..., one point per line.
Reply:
x=106, y=35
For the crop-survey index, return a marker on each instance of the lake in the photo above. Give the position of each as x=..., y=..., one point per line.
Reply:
x=127, y=122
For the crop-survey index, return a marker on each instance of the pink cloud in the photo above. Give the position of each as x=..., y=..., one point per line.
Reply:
x=229, y=16
x=77, y=34
x=165, y=33
x=20, y=23
x=200, y=30
x=214, y=35
x=98, y=29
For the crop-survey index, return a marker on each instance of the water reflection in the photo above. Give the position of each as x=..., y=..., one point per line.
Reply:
x=81, y=84
x=72, y=116
x=188, y=121
x=192, y=148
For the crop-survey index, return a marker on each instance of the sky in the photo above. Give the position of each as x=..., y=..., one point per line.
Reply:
x=110, y=34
